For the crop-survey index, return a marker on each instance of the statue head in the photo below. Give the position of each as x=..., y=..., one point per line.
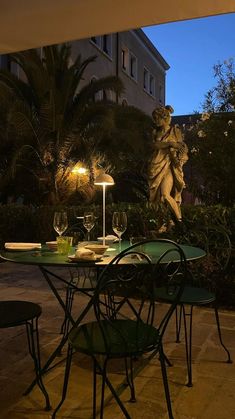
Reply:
x=162, y=115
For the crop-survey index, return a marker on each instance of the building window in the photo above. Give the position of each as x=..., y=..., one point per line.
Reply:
x=146, y=79
x=160, y=94
x=151, y=85
x=96, y=40
x=125, y=59
x=148, y=82
x=133, y=66
x=107, y=44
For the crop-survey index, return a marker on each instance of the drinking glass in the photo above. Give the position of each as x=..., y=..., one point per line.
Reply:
x=119, y=224
x=60, y=222
x=88, y=223
x=64, y=244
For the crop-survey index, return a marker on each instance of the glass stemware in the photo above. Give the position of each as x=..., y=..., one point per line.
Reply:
x=119, y=224
x=88, y=223
x=60, y=222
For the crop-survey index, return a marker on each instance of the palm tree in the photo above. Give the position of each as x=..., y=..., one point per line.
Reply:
x=122, y=137
x=48, y=116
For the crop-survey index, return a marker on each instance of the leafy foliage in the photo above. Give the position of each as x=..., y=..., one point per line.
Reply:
x=221, y=98
x=212, y=142
x=45, y=115
x=212, y=157
x=51, y=121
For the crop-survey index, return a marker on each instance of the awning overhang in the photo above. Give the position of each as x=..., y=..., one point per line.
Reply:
x=26, y=24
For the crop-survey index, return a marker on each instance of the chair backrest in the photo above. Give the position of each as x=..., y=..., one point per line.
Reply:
x=214, y=240
x=219, y=246
x=126, y=286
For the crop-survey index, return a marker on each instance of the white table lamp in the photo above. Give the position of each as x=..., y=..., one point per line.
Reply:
x=104, y=180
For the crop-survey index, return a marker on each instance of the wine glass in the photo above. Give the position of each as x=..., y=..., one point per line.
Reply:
x=88, y=223
x=119, y=224
x=60, y=222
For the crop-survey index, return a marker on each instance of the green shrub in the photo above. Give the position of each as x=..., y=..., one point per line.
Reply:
x=35, y=224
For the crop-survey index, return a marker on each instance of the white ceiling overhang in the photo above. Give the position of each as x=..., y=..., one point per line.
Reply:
x=28, y=24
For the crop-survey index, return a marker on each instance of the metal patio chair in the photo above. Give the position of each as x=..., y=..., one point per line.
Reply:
x=125, y=325
x=18, y=313
x=200, y=289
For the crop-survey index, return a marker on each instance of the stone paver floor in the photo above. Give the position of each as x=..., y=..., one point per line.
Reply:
x=211, y=397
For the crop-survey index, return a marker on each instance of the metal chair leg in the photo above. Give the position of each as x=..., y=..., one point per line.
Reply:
x=66, y=379
x=165, y=382
x=169, y=363
x=103, y=375
x=229, y=360
x=178, y=322
x=188, y=342
x=94, y=387
x=111, y=388
x=34, y=350
x=129, y=378
x=69, y=303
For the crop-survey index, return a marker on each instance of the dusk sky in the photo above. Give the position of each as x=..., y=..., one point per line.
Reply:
x=192, y=48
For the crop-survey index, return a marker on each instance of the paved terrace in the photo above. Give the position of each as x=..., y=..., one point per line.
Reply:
x=211, y=397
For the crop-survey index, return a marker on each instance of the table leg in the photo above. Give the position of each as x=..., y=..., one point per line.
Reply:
x=46, y=273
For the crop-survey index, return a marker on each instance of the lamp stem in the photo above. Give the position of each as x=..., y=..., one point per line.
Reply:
x=104, y=215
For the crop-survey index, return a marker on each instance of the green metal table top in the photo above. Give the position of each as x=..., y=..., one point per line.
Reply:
x=45, y=257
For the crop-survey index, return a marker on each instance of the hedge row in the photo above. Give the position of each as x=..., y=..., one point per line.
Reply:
x=35, y=224
x=29, y=223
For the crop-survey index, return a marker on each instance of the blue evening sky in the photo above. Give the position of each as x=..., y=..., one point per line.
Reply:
x=191, y=48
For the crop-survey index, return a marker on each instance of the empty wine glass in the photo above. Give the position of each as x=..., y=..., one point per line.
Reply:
x=60, y=222
x=119, y=224
x=88, y=223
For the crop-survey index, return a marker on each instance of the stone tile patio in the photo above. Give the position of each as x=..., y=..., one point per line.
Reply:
x=211, y=397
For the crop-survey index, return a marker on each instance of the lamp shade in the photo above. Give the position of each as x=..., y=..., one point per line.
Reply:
x=104, y=179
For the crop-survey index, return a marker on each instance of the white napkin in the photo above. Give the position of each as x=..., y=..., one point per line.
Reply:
x=86, y=254
x=109, y=237
x=14, y=245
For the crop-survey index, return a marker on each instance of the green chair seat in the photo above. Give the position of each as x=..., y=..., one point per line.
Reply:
x=115, y=338
x=191, y=295
x=14, y=313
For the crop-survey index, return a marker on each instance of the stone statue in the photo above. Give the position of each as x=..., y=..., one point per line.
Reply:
x=166, y=177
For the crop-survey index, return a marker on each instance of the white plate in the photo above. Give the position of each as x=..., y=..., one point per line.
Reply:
x=22, y=249
x=73, y=258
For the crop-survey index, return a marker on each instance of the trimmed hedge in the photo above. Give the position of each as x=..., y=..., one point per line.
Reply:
x=35, y=224
x=29, y=223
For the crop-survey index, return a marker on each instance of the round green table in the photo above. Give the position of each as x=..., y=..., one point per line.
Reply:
x=46, y=260
x=46, y=257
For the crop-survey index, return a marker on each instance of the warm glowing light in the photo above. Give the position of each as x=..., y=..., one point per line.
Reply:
x=79, y=170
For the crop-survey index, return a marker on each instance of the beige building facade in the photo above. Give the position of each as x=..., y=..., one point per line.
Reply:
x=133, y=58
x=129, y=55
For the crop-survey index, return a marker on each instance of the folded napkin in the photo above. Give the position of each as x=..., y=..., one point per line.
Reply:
x=86, y=254
x=109, y=237
x=14, y=245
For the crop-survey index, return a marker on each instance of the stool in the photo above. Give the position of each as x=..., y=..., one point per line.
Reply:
x=17, y=313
